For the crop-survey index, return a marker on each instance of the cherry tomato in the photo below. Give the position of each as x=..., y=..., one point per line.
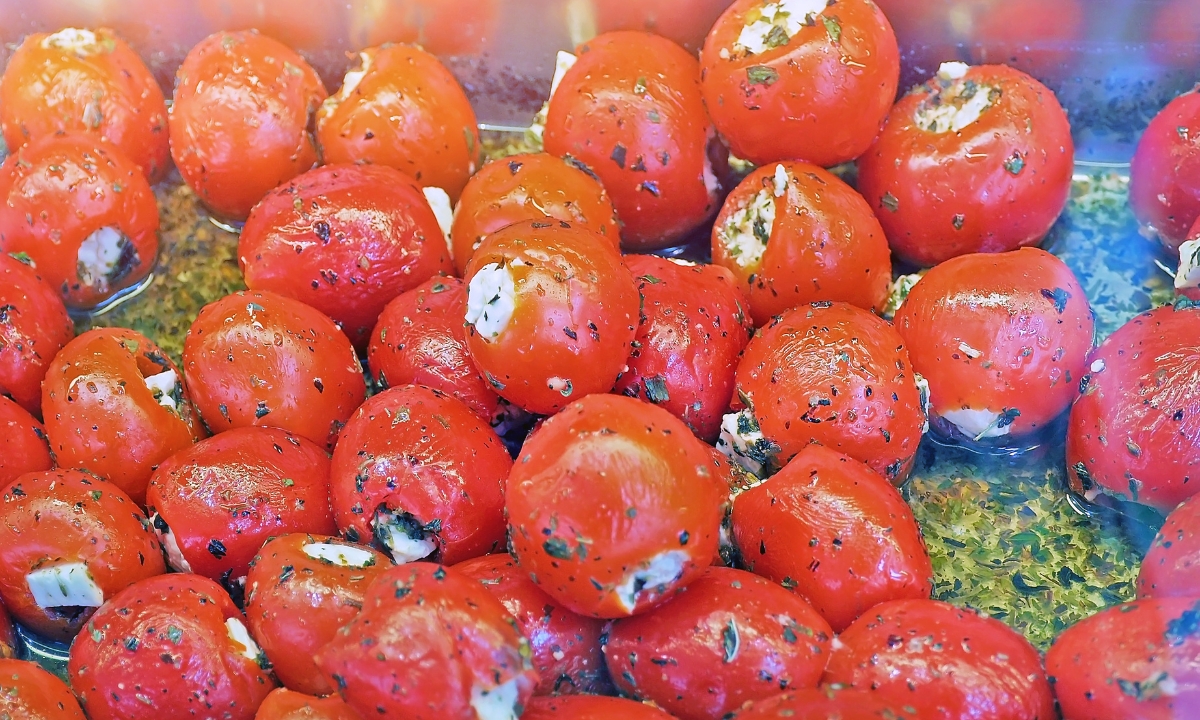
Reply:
x=9, y=643
x=283, y=704
x=1132, y=433
x=443, y=27
x=240, y=119
x=792, y=234
x=1171, y=567
x=85, y=81
x=23, y=446
x=257, y=358
x=402, y=108
x=27, y=692
x=437, y=647
x=82, y=213
x=1040, y=37
x=943, y=662
x=301, y=589
x=34, y=326
x=551, y=314
x=827, y=703
x=685, y=22
x=813, y=85
x=345, y=239
x=630, y=113
x=1164, y=180
x=614, y=506
x=173, y=646
x=590, y=707
x=309, y=26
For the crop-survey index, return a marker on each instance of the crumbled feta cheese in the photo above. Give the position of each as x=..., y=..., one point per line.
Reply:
x=352, y=79
x=775, y=23
x=491, y=299
x=662, y=569
x=1188, y=275
x=499, y=703
x=98, y=257
x=781, y=180
x=167, y=538
x=563, y=62
x=66, y=585
x=1098, y=365
x=240, y=636
x=163, y=387
x=405, y=542
x=952, y=71
x=926, y=404
x=959, y=104
x=746, y=232
x=977, y=424
x=898, y=293
x=439, y=202
x=743, y=443
x=341, y=555
x=78, y=41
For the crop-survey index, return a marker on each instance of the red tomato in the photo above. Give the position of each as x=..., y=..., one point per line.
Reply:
x=614, y=506
x=685, y=22
x=257, y=358
x=240, y=119
x=1132, y=433
x=1041, y=37
x=301, y=589
x=590, y=707
x=943, y=662
x=85, y=81
x=169, y=647
x=23, y=446
x=27, y=692
x=630, y=113
x=814, y=86
x=792, y=234
x=346, y=240
x=309, y=26
x=443, y=27
x=423, y=475
x=402, y=108
x=1171, y=567
x=1175, y=34
x=1164, y=181
x=9, y=643
x=82, y=213
x=283, y=704
x=834, y=531
x=827, y=703
x=438, y=647
x=34, y=326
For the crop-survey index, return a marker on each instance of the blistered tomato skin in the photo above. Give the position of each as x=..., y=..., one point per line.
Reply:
x=240, y=118
x=1171, y=567
x=284, y=704
x=23, y=446
x=825, y=703
x=977, y=159
x=27, y=692
x=799, y=79
x=1164, y=180
x=34, y=328
x=590, y=707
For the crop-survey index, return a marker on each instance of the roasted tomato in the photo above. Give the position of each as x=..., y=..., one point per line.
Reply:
x=300, y=590
x=827, y=703
x=685, y=22
x=832, y=374
x=614, y=506
x=529, y=187
x=1164, y=181
x=85, y=81
x=82, y=213
x=565, y=645
x=443, y=27
x=978, y=159
x=283, y=704
x=439, y=647
x=402, y=108
x=1171, y=567
x=9, y=642
x=345, y=239
x=27, y=692
x=116, y=406
x=257, y=358
x=629, y=112
x=69, y=541
x=590, y=707
x=34, y=326
x=801, y=80
x=1132, y=433
x=168, y=647
x=836, y=533
x=792, y=233
x=23, y=446
x=240, y=119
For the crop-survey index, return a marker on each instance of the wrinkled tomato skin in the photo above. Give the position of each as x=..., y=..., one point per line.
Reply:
x=997, y=184
x=9, y=643
x=1132, y=434
x=566, y=646
x=630, y=111
x=161, y=649
x=344, y=239
x=838, y=531
x=590, y=707
x=284, y=704
x=240, y=117
x=23, y=445
x=27, y=692
x=825, y=703
x=102, y=417
x=1135, y=660
x=433, y=635
x=35, y=327
x=296, y=603
x=1164, y=180
x=983, y=671
x=261, y=359
x=603, y=490
x=1171, y=567
x=816, y=98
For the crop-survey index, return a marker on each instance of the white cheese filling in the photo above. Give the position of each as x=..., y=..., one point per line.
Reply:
x=439, y=202
x=746, y=232
x=174, y=555
x=563, y=62
x=341, y=555
x=977, y=424
x=959, y=105
x=499, y=703
x=67, y=585
x=742, y=441
x=954, y=70
x=926, y=404
x=491, y=300
x=163, y=386
x=240, y=636
x=664, y=568
x=76, y=40
x=775, y=23
x=781, y=180
x=98, y=257
x=898, y=293
x=1188, y=275
x=349, y=82
x=399, y=541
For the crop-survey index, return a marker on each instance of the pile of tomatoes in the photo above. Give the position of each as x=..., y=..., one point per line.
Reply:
x=584, y=484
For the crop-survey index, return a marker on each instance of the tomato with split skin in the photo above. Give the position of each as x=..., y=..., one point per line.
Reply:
x=284, y=704
x=34, y=326
x=23, y=445
x=1164, y=179
x=28, y=692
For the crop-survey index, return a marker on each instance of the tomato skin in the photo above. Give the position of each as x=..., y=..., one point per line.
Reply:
x=239, y=121
x=284, y=704
x=35, y=327
x=590, y=707
x=23, y=446
x=27, y=692
x=9, y=643
x=825, y=703
x=1164, y=179
x=1040, y=37
x=443, y=27
x=1174, y=31
x=685, y=22
x=1171, y=567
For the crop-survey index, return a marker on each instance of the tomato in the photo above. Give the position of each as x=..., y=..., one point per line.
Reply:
x=1175, y=34
x=614, y=506
x=438, y=646
x=1187, y=278
x=9, y=642
x=23, y=446
x=943, y=662
x=806, y=81
x=240, y=119
x=443, y=27
x=1041, y=37
x=301, y=589
x=831, y=374
x=827, y=703
x=685, y=22
x=257, y=358
x=1135, y=660
x=86, y=81
x=1171, y=567
x=168, y=647
x=402, y=108
x=82, y=213
x=1132, y=434
x=283, y=704
x=345, y=239
x=529, y=187
x=629, y=112
x=1164, y=180
x=309, y=26
x=590, y=707
x=792, y=234
x=34, y=326
x=27, y=692
x=565, y=645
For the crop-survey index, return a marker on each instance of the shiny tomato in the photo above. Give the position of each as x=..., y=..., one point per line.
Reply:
x=813, y=84
x=27, y=692
x=257, y=358
x=443, y=27
x=1171, y=567
x=685, y=22
x=826, y=703
x=240, y=119
x=283, y=704
x=34, y=326
x=9, y=643
x=23, y=446
x=1164, y=181
x=629, y=112
x=590, y=707
x=614, y=506
x=82, y=213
